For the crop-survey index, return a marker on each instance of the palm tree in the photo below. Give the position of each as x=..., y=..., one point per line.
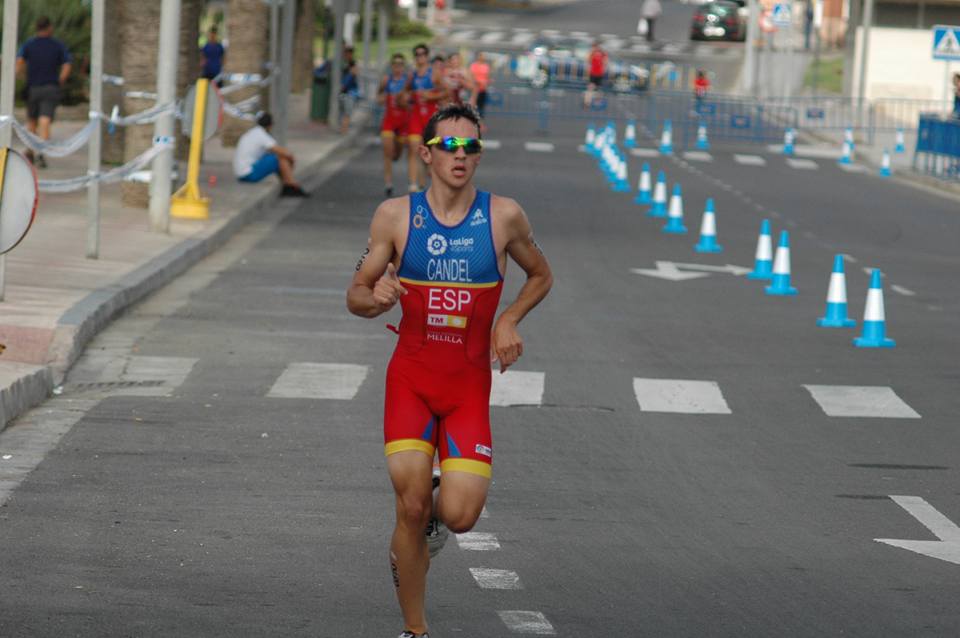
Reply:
x=303, y=47
x=248, y=33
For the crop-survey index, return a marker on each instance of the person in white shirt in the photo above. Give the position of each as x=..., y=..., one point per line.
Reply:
x=259, y=155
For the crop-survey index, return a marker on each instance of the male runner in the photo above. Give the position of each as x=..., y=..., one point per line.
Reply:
x=424, y=92
x=393, y=132
x=442, y=254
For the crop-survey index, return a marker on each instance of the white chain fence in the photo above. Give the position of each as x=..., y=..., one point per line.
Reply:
x=160, y=145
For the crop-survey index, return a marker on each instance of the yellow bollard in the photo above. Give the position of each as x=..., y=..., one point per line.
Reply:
x=187, y=202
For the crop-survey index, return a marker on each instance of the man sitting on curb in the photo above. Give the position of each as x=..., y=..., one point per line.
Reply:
x=258, y=155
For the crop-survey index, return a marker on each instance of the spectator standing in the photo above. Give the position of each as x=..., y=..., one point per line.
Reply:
x=47, y=63
x=258, y=155
x=212, y=56
x=650, y=10
x=480, y=70
x=458, y=81
x=349, y=95
x=701, y=86
x=956, y=95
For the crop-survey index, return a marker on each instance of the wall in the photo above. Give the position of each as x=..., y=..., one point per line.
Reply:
x=901, y=65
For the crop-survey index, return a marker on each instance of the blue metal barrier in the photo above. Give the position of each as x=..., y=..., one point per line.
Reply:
x=938, y=146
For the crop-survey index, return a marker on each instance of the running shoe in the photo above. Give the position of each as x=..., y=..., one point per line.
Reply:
x=293, y=191
x=436, y=532
x=410, y=634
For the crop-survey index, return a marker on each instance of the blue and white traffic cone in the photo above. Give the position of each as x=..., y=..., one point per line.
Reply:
x=847, y=156
x=674, y=223
x=885, y=164
x=630, y=134
x=781, y=269
x=708, y=231
x=644, y=195
x=901, y=146
x=763, y=262
x=874, y=334
x=591, y=136
x=848, y=137
x=788, y=139
x=659, y=208
x=612, y=131
x=666, y=138
x=622, y=184
x=702, y=142
x=836, y=314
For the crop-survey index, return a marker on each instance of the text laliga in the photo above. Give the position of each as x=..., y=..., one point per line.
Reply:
x=448, y=299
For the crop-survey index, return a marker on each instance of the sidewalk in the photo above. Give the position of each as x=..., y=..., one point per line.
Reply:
x=56, y=299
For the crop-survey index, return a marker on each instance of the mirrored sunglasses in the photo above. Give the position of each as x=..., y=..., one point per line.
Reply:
x=450, y=144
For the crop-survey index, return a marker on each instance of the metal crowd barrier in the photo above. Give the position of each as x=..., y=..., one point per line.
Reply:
x=938, y=146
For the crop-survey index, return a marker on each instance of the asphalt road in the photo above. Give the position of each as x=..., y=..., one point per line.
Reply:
x=221, y=511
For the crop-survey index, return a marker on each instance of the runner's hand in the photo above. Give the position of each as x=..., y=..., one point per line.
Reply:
x=505, y=344
x=388, y=289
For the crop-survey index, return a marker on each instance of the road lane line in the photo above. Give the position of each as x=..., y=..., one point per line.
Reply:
x=527, y=622
x=698, y=156
x=680, y=395
x=516, y=387
x=749, y=160
x=906, y=292
x=861, y=401
x=491, y=145
x=538, y=147
x=495, y=578
x=339, y=381
x=478, y=541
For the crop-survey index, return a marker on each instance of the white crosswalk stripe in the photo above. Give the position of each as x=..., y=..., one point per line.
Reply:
x=645, y=152
x=491, y=145
x=539, y=147
x=462, y=36
x=749, y=160
x=861, y=401
x=522, y=38
x=491, y=37
x=516, y=387
x=698, y=156
x=680, y=395
x=319, y=381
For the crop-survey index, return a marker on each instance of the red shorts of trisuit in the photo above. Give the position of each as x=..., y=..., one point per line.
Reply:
x=438, y=381
x=394, y=123
x=420, y=114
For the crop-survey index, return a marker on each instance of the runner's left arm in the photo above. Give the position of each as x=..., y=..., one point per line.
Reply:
x=506, y=344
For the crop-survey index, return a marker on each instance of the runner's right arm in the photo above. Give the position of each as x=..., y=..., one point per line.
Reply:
x=376, y=288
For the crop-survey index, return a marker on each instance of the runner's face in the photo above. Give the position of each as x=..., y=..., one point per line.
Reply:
x=453, y=169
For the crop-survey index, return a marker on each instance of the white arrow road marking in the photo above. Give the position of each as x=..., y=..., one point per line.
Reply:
x=947, y=548
x=671, y=270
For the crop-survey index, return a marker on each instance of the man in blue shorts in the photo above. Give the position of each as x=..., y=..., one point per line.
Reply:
x=47, y=64
x=259, y=155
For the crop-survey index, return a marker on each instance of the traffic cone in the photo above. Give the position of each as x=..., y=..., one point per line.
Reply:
x=848, y=137
x=836, y=314
x=763, y=262
x=708, y=231
x=659, y=208
x=674, y=223
x=788, y=139
x=612, y=131
x=644, y=196
x=781, y=269
x=630, y=134
x=885, y=164
x=900, y=147
x=666, y=138
x=591, y=136
x=702, y=142
x=622, y=184
x=847, y=156
x=874, y=333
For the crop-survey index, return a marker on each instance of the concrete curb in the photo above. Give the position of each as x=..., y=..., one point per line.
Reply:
x=28, y=385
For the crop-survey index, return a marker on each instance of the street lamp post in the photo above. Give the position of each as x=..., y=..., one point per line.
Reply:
x=167, y=54
x=93, y=146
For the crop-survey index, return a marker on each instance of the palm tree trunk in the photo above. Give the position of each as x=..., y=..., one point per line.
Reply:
x=248, y=28
x=303, y=47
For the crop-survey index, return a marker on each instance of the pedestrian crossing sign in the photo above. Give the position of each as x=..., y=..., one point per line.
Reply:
x=946, y=42
x=781, y=15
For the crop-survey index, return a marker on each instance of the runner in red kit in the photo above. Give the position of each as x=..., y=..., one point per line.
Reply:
x=424, y=91
x=598, y=71
x=392, y=94
x=442, y=254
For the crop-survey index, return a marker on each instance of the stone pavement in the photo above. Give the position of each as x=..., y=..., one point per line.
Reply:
x=56, y=299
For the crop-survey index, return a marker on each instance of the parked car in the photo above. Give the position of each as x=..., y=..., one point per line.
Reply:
x=718, y=20
x=565, y=62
